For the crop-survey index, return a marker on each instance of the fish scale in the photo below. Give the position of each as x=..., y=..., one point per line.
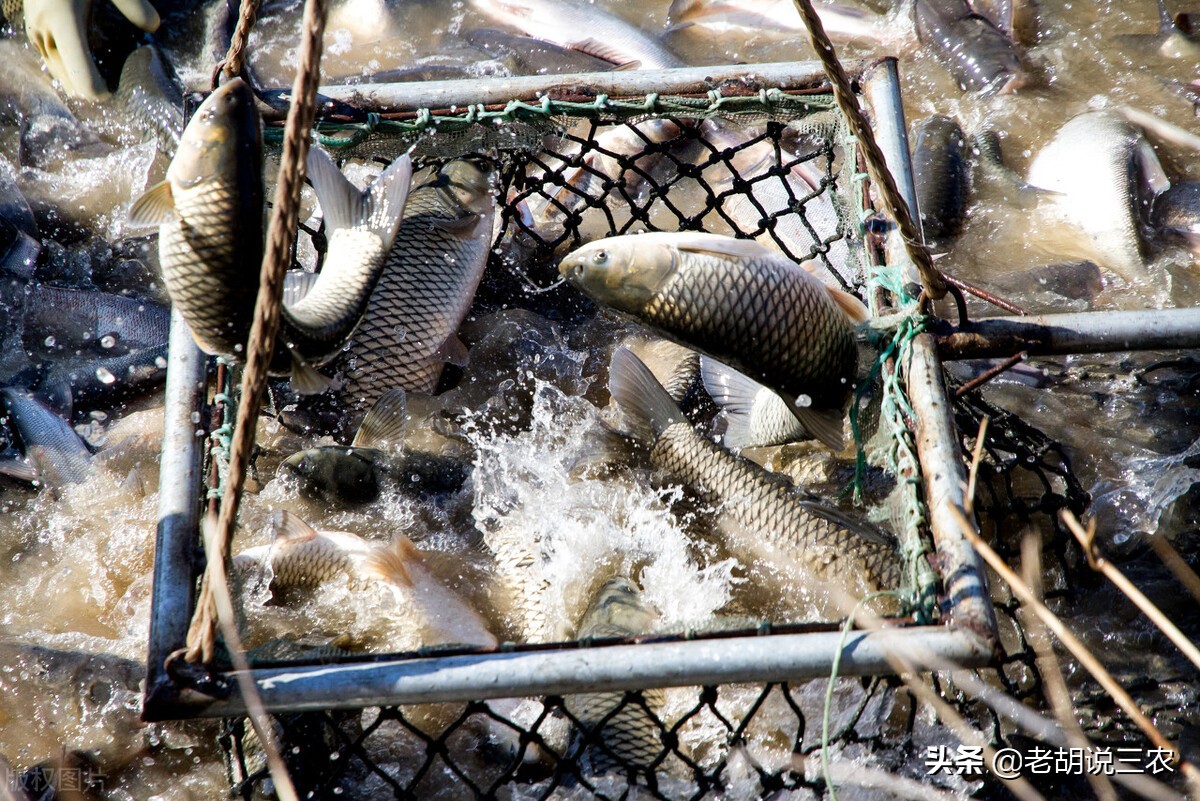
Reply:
x=427, y=286
x=770, y=512
x=709, y=306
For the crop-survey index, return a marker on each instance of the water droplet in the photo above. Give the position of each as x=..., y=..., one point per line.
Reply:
x=196, y=418
x=400, y=333
x=105, y=376
x=160, y=362
x=108, y=341
x=803, y=401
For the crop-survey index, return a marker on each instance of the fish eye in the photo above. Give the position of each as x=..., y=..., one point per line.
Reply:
x=600, y=257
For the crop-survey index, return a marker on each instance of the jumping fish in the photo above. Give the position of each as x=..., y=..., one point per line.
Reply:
x=54, y=453
x=977, y=53
x=771, y=519
x=740, y=303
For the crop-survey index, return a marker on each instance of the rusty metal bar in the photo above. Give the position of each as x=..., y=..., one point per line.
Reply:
x=945, y=479
x=1085, y=332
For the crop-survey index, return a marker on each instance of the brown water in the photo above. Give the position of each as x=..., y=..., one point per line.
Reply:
x=77, y=561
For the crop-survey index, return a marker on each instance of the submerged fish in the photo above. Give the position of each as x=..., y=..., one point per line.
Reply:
x=210, y=213
x=54, y=453
x=525, y=55
x=616, y=735
x=151, y=96
x=740, y=303
x=427, y=286
x=1177, y=212
x=940, y=172
x=979, y=56
x=770, y=519
x=581, y=26
x=373, y=462
x=840, y=21
x=70, y=322
x=301, y=558
x=1106, y=175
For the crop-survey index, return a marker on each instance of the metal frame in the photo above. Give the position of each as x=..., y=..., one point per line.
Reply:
x=968, y=639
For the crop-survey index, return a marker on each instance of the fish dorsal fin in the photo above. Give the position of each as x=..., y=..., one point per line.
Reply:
x=297, y=284
x=155, y=207
x=647, y=406
x=393, y=563
x=852, y=307
x=287, y=528
x=385, y=423
x=20, y=468
x=717, y=245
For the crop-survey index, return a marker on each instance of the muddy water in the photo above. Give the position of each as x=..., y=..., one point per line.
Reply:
x=76, y=562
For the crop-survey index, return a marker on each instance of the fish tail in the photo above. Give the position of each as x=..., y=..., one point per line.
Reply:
x=854, y=309
x=378, y=208
x=393, y=564
x=647, y=406
x=735, y=394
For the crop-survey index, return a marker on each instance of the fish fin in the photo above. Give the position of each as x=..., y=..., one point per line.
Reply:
x=824, y=424
x=391, y=563
x=717, y=245
x=627, y=66
x=600, y=49
x=735, y=394
x=452, y=350
x=378, y=208
x=307, y=380
x=682, y=13
x=155, y=207
x=867, y=531
x=647, y=406
x=852, y=307
x=297, y=284
x=290, y=529
x=133, y=485
x=20, y=468
x=1154, y=178
x=386, y=422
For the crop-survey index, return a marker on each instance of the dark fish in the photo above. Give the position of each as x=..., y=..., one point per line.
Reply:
x=739, y=302
x=428, y=283
x=1177, y=212
x=14, y=209
x=373, y=462
x=151, y=97
x=62, y=323
x=977, y=53
x=54, y=453
x=771, y=519
x=524, y=55
x=77, y=386
x=941, y=172
x=616, y=735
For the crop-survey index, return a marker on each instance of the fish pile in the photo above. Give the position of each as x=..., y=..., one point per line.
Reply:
x=446, y=461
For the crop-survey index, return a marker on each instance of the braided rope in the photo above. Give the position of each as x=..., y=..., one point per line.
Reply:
x=932, y=280
x=284, y=220
x=235, y=60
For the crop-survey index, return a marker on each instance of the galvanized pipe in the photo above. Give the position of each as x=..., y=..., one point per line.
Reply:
x=945, y=479
x=1084, y=332
x=783, y=657
x=175, y=547
x=391, y=97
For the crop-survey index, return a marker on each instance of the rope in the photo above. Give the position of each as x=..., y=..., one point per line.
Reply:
x=202, y=635
x=234, y=62
x=932, y=280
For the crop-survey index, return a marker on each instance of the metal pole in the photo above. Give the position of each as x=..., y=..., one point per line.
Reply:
x=390, y=97
x=176, y=554
x=782, y=657
x=1085, y=332
x=945, y=479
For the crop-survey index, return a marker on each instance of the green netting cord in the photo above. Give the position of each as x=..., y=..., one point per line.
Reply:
x=774, y=103
x=221, y=438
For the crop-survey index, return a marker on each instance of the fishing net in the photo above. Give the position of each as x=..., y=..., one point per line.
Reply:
x=758, y=163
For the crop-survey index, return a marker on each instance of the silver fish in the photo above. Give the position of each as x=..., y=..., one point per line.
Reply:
x=427, y=286
x=975, y=51
x=755, y=417
x=770, y=520
x=1106, y=175
x=739, y=302
x=54, y=453
x=616, y=735
x=151, y=96
x=581, y=26
x=68, y=322
x=842, y=22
